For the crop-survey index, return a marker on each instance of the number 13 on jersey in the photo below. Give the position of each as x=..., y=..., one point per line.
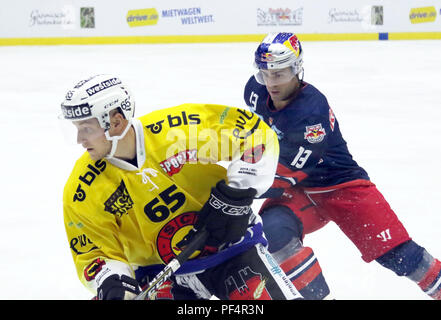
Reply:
x=301, y=158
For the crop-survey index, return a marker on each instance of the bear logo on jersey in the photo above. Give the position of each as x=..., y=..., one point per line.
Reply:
x=173, y=232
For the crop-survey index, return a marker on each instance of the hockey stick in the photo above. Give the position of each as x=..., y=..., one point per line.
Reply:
x=173, y=266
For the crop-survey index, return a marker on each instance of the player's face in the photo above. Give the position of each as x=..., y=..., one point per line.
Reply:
x=91, y=136
x=281, y=84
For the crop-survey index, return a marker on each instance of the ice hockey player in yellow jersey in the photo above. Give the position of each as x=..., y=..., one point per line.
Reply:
x=146, y=186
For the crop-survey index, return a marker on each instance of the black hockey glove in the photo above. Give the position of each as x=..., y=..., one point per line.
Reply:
x=118, y=287
x=225, y=215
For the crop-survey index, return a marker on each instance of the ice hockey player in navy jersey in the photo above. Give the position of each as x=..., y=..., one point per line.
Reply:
x=318, y=181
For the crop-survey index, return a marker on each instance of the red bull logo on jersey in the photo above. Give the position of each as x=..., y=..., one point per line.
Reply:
x=315, y=133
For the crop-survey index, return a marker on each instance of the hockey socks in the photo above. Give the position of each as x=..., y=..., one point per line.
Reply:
x=428, y=276
x=284, y=230
x=305, y=273
x=413, y=261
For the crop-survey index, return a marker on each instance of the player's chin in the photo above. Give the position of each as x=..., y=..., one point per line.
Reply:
x=94, y=155
x=277, y=96
x=274, y=95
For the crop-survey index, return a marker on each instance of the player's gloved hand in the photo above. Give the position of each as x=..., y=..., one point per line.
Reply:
x=225, y=215
x=272, y=193
x=279, y=187
x=118, y=287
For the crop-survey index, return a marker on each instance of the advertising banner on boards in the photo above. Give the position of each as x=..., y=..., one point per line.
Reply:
x=210, y=18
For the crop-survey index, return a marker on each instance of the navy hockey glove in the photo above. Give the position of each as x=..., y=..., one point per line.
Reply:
x=279, y=187
x=225, y=215
x=118, y=287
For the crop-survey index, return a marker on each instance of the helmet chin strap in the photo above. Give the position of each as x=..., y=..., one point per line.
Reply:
x=301, y=74
x=115, y=139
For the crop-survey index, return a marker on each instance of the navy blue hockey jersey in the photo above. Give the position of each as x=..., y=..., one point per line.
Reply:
x=313, y=153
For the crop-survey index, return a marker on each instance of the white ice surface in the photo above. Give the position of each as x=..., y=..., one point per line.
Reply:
x=386, y=96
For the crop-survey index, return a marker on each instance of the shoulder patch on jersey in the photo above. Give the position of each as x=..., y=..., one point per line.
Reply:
x=315, y=133
x=91, y=271
x=253, y=155
x=331, y=119
x=279, y=133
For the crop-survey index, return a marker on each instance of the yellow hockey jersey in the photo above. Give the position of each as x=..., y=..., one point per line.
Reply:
x=119, y=216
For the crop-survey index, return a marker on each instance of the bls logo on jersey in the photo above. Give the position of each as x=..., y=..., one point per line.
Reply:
x=94, y=171
x=173, y=232
x=88, y=178
x=175, y=121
